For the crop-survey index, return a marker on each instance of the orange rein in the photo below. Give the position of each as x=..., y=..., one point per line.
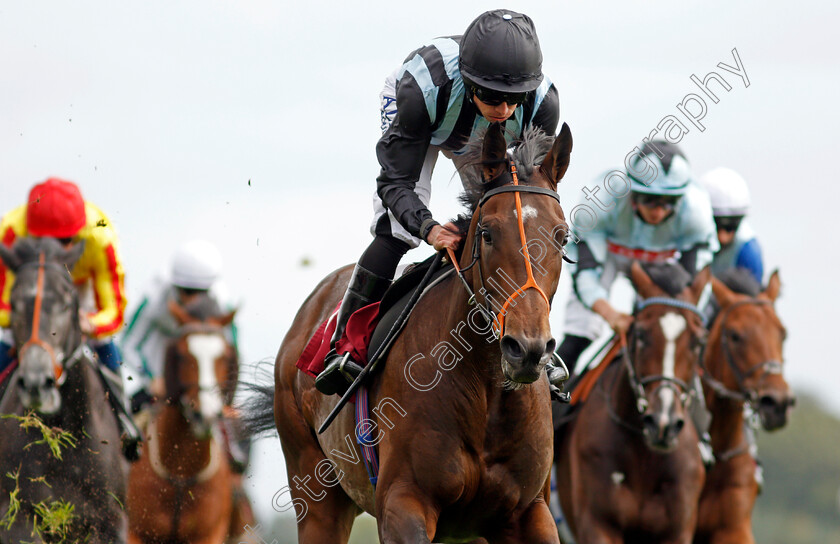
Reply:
x=531, y=283
x=34, y=339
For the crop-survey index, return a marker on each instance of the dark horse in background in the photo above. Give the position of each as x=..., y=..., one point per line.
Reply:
x=181, y=490
x=462, y=417
x=57, y=377
x=628, y=467
x=743, y=366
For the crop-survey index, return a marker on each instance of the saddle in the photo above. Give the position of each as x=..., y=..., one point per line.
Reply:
x=369, y=327
x=580, y=386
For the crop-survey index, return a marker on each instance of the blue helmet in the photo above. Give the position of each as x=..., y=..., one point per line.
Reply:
x=660, y=168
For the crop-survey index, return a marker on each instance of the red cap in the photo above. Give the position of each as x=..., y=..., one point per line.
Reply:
x=55, y=208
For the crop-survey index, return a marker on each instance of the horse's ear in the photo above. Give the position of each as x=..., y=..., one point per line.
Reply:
x=9, y=257
x=493, y=151
x=774, y=286
x=642, y=282
x=178, y=312
x=226, y=319
x=701, y=280
x=556, y=162
x=724, y=295
x=73, y=254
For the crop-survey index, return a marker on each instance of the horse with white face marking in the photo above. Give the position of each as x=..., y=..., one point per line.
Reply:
x=180, y=490
x=628, y=466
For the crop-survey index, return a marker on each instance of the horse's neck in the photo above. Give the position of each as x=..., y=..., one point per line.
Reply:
x=179, y=451
x=621, y=399
x=83, y=397
x=727, y=427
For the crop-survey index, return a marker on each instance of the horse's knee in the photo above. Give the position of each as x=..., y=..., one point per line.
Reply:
x=405, y=519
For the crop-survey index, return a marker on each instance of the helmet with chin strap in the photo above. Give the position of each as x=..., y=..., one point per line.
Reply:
x=728, y=192
x=500, y=51
x=56, y=209
x=660, y=169
x=197, y=265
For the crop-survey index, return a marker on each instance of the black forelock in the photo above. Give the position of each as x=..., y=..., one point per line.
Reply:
x=741, y=280
x=670, y=277
x=29, y=249
x=203, y=307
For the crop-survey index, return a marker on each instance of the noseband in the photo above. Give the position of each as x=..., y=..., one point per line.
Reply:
x=637, y=385
x=742, y=394
x=59, y=367
x=497, y=319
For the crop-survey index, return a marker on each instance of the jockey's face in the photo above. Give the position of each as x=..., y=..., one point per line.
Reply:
x=495, y=114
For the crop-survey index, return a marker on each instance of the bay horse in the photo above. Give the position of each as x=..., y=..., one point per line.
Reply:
x=57, y=379
x=628, y=468
x=180, y=491
x=462, y=416
x=743, y=366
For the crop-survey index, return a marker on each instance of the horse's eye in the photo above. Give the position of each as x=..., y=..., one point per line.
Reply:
x=735, y=337
x=486, y=236
x=563, y=237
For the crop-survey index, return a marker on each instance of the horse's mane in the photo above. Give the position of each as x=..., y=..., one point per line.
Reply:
x=670, y=277
x=527, y=154
x=741, y=280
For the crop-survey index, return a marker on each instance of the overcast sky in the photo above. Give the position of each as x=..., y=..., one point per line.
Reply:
x=253, y=124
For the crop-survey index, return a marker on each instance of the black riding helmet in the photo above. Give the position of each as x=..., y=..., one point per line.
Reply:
x=500, y=51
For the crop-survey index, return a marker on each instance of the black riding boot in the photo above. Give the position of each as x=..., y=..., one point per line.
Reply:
x=570, y=349
x=130, y=435
x=339, y=371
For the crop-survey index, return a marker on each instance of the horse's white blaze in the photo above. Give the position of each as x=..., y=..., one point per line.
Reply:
x=527, y=212
x=673, y=326
x=206, y=348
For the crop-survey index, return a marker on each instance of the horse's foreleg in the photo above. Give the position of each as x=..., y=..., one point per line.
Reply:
x=535, y=525
x=736, y=535
x=592, y=531
x=404, y=518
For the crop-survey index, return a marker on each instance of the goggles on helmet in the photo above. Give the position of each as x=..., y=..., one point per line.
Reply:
x=495, y=98
x=668, y=202
x=728, y=223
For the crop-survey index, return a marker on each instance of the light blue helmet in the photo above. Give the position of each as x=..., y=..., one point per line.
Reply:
x=658, y=168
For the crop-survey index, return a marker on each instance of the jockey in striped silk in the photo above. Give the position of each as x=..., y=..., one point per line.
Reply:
x=443, y=94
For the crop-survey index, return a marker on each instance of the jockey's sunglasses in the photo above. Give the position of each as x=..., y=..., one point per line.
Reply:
x=656, y=201
x=728, y=223
x=495, y=98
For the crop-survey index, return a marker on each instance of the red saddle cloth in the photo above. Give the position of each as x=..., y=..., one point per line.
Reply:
x=355, y=340
x=8, y=371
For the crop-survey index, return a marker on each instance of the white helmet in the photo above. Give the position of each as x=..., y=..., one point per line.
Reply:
x=728, y=192
x=197, y=265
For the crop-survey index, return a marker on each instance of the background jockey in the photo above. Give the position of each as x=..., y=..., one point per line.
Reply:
x=196, y=270
x=55, y=208
x=668, y=217
x=444, y=93
x=739, y=247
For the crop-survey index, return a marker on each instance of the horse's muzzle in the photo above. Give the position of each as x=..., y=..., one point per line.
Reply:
x=523, y=358
x=774, y=409
x=662, y=434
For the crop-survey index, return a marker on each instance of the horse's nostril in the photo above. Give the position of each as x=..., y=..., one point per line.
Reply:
x=678, y=426
x=21, y=382
x=649, y=422
x=767, y=402
x=550, y=345
x=511, y=348
x=49, y=382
